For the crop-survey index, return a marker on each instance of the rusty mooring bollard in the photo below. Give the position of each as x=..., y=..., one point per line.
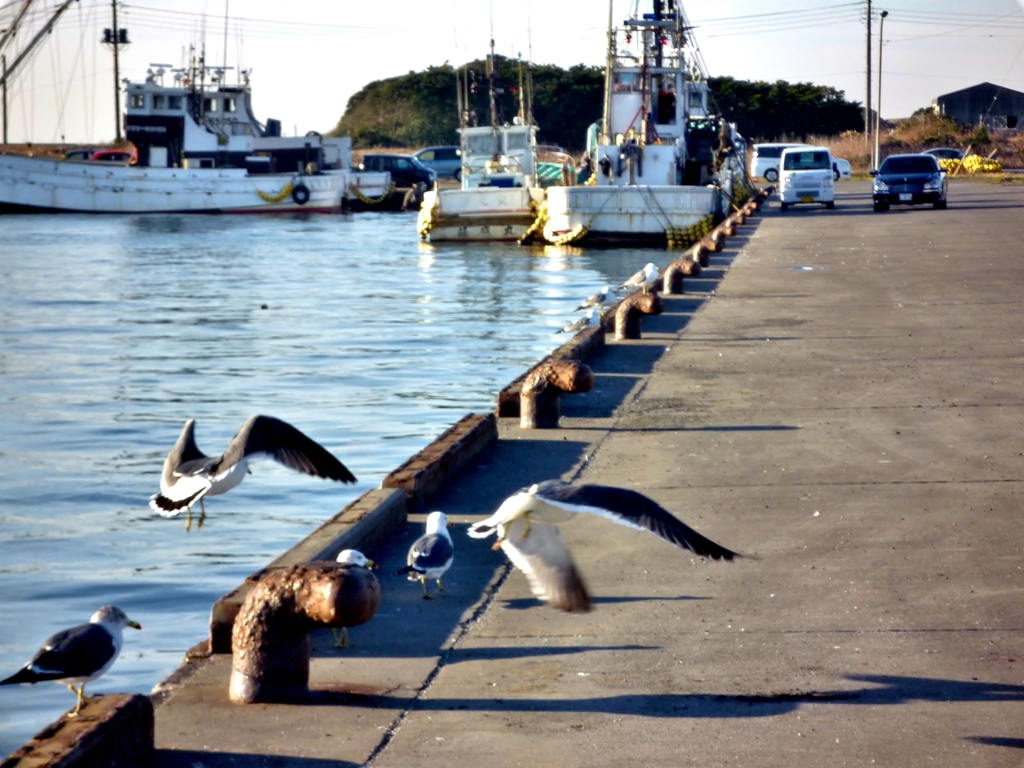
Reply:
x=728, y=228
x=540, y=396
x=739, y=218
x=675, y=272
x=701, y=254
x=716, y=241
x=632, y=308
x=270, y=638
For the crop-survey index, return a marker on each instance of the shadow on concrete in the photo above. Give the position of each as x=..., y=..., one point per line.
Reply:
x=186, y=758
x=998, y=741
x=529, y=603
x=885, y=690
x=533, y=651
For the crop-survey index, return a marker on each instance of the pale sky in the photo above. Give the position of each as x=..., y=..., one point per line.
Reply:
x=309, y=56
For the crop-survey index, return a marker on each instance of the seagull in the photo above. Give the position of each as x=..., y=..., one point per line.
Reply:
x=599, y=300
x=189, y=474
x=592, y=318
x=351, y=557
x=431, y=554
x=643, y=279
x=78, y=655
x=527, y=533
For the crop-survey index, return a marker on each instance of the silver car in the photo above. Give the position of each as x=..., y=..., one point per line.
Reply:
x=447, y=161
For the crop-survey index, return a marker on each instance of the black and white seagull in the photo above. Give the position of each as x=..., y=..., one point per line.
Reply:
x=78, y=655
x=643, y=279
x=431, y=554
x=600, y=300
x=525, y=523
x=592, y=318
x=190, y=475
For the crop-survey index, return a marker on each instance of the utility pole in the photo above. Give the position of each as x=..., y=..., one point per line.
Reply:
x=867, y=102
x=878, y=109
x=117, y=73
x=3, y=62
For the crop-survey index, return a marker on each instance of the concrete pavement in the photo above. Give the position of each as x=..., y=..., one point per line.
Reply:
x=847, y=409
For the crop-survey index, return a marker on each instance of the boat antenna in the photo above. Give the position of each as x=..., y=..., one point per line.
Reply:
x=225, y=38
x=522, y=97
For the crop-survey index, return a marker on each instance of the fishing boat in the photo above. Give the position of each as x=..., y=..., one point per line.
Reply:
x=198, y=148
x=664, y=167
x=500, y=194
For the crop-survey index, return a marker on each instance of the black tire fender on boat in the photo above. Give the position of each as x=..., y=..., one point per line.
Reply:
x=300, y=194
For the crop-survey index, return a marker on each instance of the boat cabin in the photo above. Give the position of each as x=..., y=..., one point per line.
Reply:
x=201, y=122
x=503, y=156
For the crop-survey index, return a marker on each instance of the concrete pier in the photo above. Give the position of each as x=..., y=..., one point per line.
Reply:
x=837, y=395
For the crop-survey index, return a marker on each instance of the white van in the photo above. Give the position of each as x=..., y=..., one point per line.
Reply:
x=806, y=177
x=764, y=163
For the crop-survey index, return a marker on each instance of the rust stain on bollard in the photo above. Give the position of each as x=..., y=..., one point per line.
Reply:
x=270, y=640
x=627, y=318
x=539, y=400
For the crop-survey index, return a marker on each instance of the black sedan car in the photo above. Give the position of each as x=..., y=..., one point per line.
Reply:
x=406, y=170
x=909, y=180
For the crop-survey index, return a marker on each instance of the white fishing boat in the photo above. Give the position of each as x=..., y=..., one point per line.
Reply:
x=500, y=195
x=664, y=166
x=198, y=148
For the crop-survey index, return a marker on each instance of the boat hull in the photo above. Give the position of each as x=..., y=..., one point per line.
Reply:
x=499, y=214
x=624, y=215
x=42, y=184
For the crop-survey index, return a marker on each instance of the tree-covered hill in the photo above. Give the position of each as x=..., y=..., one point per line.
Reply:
x=420, y=108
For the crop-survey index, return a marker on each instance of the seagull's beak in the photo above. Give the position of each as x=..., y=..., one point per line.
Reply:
x=134, y=625
x=370, y=564
x=451, y=524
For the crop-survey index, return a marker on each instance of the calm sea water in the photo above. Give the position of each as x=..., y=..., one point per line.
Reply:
x=114, y=330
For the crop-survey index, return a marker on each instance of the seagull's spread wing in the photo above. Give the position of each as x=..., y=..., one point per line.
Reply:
x=287, y=445
x=545, y=559
x=632, y=509
x=77, y=652
x=434, y=550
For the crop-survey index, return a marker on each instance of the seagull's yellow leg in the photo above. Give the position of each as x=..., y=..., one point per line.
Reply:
x=423, y=583
x=440, y=586
x=340, y=641
x=188, y=520
x=202, y=517
x=81, y=699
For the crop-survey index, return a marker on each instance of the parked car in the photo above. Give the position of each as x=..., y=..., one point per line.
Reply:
x=764, y=162
x=806, y=177
x=841, y=169
x=446, y=161
x=945, y=153
x=105, y=155
x=909, y=180
x=406, y=170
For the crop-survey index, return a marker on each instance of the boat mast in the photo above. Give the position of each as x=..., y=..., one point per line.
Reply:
x=609, y=63
x=9, y=32
x=46, y=30
x=3, y=62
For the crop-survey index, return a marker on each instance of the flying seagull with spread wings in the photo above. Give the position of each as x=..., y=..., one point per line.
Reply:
x=525, y=523
x=190, y=475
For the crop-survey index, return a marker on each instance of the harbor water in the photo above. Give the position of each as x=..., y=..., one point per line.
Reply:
x=115, y=330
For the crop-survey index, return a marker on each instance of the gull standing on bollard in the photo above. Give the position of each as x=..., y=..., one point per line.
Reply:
x=525, y=523
x=350, y=558
x=600, y=300
x=593, y=317
x=643, y=279
x=431, y=554
x=78, y=655
x=189, y=475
